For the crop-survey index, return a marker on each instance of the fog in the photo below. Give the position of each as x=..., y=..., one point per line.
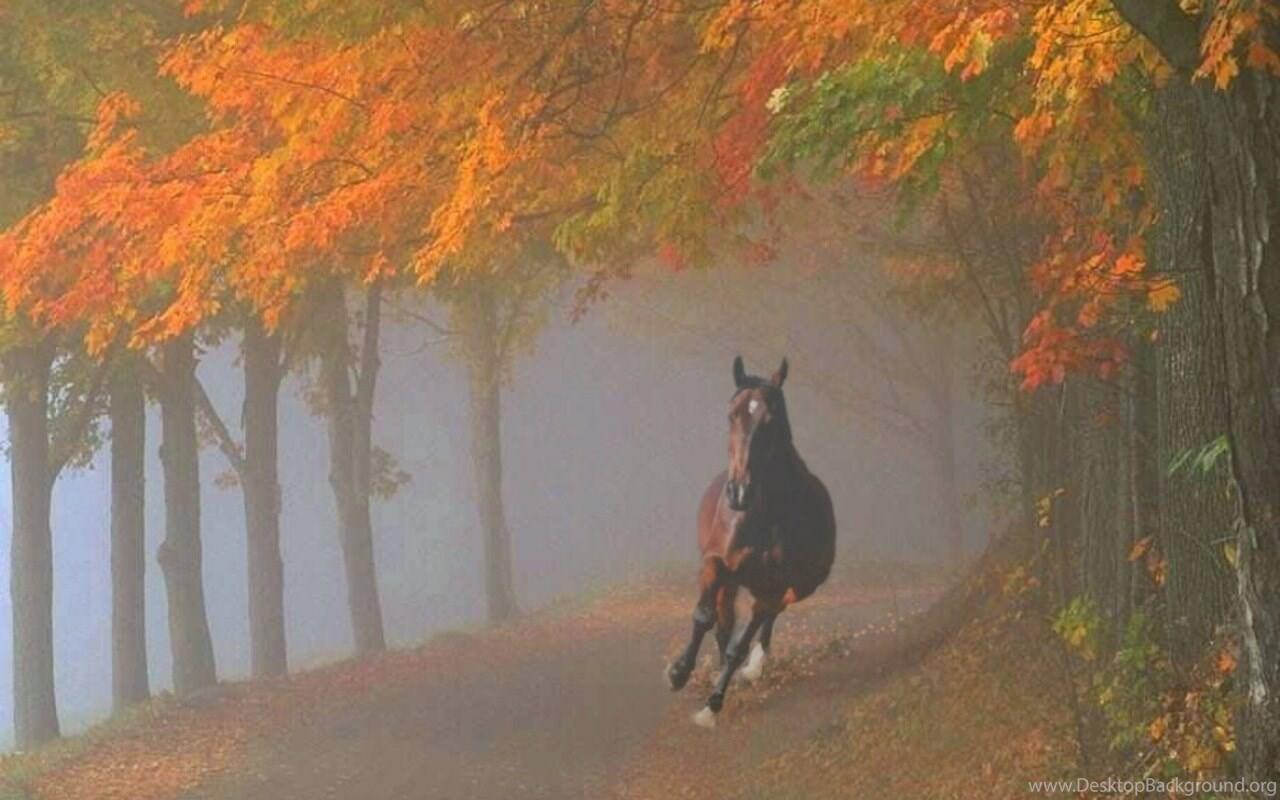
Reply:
x=612, y=427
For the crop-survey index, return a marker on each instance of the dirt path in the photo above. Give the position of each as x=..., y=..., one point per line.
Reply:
x=576, y=709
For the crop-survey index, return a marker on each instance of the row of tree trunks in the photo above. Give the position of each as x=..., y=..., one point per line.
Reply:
x=35, y=709
x=180, y=554
x=350, y=419
x=27, y=376
x=127, y=410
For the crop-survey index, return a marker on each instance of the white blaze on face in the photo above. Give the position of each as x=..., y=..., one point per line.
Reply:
x=753, y=405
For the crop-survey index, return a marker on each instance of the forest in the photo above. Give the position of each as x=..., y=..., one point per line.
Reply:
x=1035, y=240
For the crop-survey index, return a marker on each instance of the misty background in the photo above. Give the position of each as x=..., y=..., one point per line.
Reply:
x=611, y=428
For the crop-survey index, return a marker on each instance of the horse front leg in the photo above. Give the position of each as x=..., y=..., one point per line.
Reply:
x=761, y=614
x=704, y=619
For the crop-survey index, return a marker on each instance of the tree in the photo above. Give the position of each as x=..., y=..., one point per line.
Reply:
x=256, y=467
x=44, y=48
x=51, y=413
x=1237, y=123
x=493, y=316
x=349, y=411
x=127, y=411
x=181, y=553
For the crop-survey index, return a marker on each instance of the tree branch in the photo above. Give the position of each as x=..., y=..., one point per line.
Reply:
x=63, y=451
x=226, y=442
x=1174, y=32
x=367, y=377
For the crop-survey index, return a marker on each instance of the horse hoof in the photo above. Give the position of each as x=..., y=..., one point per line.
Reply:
x=754, y=670
x=677, y=678
x=706, y=718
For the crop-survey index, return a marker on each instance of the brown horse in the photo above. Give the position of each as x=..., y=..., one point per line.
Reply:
x=765, y=524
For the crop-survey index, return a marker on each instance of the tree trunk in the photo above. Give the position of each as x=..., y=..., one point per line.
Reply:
x=1242, y=127
x=350, y=457
x=35, y=708
x=128, y=412
x=484, y=365
x=260, y=487
x=180, y=553
x=1195, y=514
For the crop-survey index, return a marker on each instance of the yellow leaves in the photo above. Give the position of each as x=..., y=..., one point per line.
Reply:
x=1226, y=661
x=1231, y=552
x=485, y=155
x=1156, y=729
x=1019, y=581
x=1044, y=507
x=1157, y=569
x=900, y=156
x=1141, y=547
x=1162, y=296
x=726, y=26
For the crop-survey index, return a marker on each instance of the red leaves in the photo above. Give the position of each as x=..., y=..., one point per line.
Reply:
x=741, y=138
x=1050, y=352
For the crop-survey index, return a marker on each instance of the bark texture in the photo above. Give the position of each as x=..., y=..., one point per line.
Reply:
x=1240, y=126
x=128, y=413
x=1195, y=512
x=350, y=418
x=181, y=553
x=35, y=710
x=482, y=345
x=260, y=483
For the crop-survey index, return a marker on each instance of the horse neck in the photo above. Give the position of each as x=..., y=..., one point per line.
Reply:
x=782, y=476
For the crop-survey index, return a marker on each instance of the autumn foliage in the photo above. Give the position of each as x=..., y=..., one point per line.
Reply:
x=256, y=160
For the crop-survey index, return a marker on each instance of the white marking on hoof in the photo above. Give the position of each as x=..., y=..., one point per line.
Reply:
x=706, y=718
x=668, y=677
x=754, y=670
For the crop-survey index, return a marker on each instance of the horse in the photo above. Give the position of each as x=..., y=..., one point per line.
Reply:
x=765, y=524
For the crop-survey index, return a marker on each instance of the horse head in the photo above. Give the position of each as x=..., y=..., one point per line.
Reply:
x=758, y=431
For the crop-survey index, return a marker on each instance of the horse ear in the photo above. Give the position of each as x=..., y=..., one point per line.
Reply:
x=781, y=375
x=739, y=372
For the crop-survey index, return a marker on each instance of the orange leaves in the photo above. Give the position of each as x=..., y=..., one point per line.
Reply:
x=1051, y=351
x=738, y=143
x=114, y=109
x=965, y=38
x=1237, y=22
x=485, y=155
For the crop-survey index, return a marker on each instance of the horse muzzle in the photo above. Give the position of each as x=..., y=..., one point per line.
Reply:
x=737, y=493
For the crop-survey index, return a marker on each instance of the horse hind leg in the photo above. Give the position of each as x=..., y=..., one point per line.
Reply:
x=726, y=618
x=754, y=669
